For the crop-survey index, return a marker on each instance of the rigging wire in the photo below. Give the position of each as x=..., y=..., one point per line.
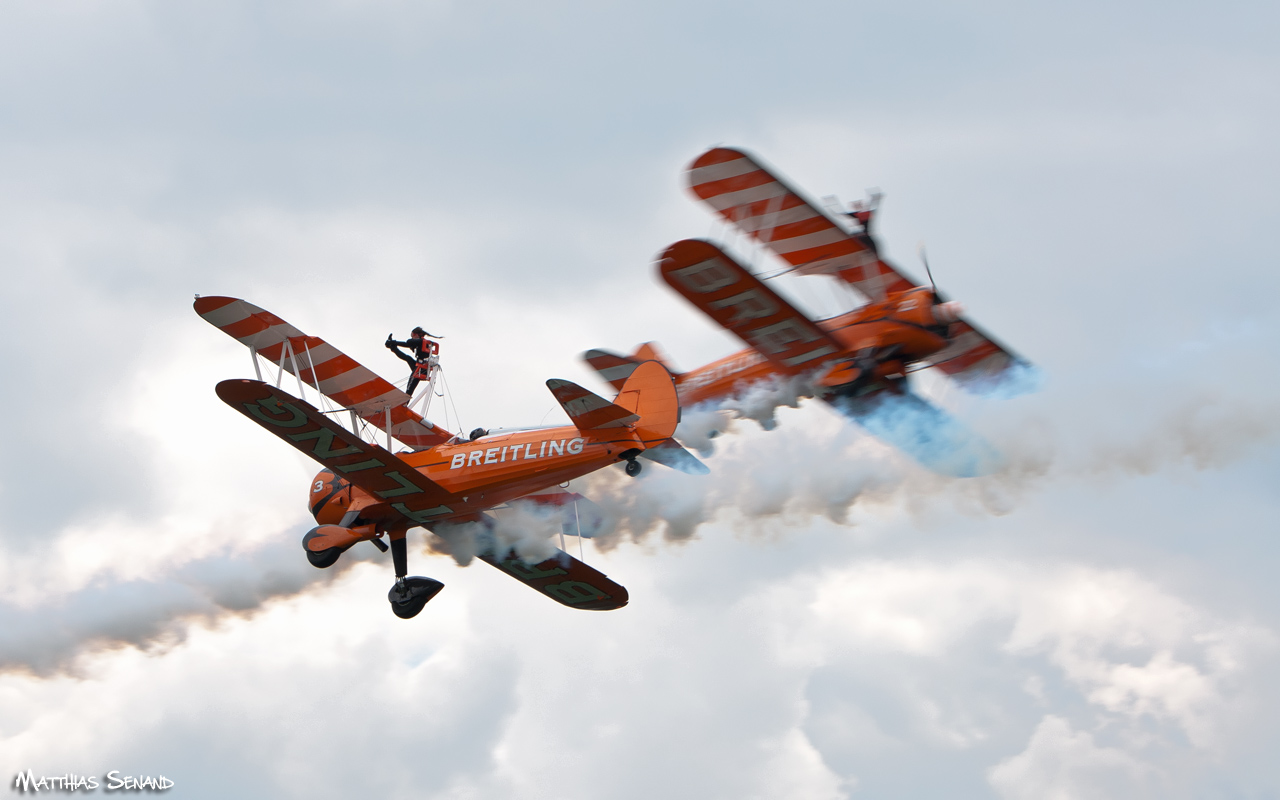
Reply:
x=445, y=381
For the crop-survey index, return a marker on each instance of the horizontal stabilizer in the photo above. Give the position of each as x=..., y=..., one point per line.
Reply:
x=587, y=410
x=612, y=367
x=670, y=453
x=934, y=438
x=407, y=492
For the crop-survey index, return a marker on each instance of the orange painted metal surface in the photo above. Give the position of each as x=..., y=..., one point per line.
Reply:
x=365, y=491
x=765, y=206
x=783, y=342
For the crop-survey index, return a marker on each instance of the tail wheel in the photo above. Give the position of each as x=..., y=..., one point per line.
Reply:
x=633, y=468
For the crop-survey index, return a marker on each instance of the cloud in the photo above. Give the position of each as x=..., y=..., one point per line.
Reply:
x=1097, y=185
x=1062, y=764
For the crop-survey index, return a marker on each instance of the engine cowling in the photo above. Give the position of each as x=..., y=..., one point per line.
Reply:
x=330, y=497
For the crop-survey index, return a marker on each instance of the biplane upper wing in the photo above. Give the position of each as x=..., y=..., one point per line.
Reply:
x=725, y=291
x=322, y=366
x=408, y=492
x=975, y=361
x=770, y=210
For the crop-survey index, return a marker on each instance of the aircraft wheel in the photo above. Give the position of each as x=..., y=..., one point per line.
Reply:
x=322, y=559
x=633, y=468
x=325, y=558
x=408, y=598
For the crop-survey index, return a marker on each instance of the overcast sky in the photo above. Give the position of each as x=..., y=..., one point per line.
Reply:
x=818, y=618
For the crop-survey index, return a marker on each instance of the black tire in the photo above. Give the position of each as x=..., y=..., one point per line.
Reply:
x=325, y=558
x=407, y=599
x=321, y=559
x=633, y=468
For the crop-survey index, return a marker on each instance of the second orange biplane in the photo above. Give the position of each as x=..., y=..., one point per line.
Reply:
x=444, y=483
x=857, y=361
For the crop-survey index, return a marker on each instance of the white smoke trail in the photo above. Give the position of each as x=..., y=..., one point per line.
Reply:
x=155, y=613
x=526, y=529
x=819, y=464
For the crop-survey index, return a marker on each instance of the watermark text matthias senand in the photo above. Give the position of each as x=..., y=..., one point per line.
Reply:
x=113, y=781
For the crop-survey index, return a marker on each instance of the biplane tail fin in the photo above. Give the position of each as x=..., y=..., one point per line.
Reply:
x=616, y=369
x=650, y=351
x=647, y=401
x=650, y=392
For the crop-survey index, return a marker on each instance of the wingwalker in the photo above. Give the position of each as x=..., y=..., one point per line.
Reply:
x=857, y=361
x=441, y=482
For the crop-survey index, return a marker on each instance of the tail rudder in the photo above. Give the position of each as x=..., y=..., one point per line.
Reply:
x=649, y=392
x=650, y=351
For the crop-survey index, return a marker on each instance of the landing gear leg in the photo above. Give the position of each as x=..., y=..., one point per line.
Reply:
x=409, y=595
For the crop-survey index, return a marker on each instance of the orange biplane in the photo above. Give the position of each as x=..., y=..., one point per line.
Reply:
x=441, y=482
x=857, y=361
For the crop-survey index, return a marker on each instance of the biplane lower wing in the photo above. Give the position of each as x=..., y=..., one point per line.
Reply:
x=923, y=431
x=579, y=516
x=323, y=367
x=566, y=580
x=562, y=577
x=766, y=207
x=409, y=493
x=724, y=290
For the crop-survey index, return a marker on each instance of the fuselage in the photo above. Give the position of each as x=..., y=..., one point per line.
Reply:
x=904, y=323
x=483, y=473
